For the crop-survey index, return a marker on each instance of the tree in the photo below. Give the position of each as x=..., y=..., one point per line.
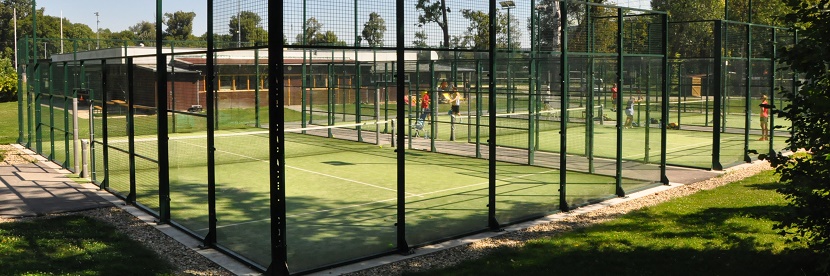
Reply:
x=806, y=177
x=549, y=24
x=436, y=13
x=314, y=35
x=179, y=25
x=477, y=35
x=143, y=30
x=328, y=38
x=690, y=40
x=420, y=39
x=249, y=29
x=312, y=28
x=8, y=81
x=421, y=42
x=24, y=10
x=373, y=30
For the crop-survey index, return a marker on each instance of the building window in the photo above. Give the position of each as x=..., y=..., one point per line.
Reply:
x=225, y=82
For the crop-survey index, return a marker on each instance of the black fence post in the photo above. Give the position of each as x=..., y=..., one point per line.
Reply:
x=716, y=122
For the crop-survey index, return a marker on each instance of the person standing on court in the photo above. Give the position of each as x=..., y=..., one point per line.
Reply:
x=764, y=118
x=456, y=102
x=425, y=105
x=629, y=111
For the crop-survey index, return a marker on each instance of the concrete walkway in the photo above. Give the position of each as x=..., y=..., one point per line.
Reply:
x=36, y=189
x=42, y=187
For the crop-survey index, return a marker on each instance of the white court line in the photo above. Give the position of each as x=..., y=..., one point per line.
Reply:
x=488, y=182
x=381, y=201
x=346, y=179
x=676, y=149
x=304, y=170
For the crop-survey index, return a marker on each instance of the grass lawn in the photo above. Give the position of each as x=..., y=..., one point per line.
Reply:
x=8, y=126
x=73, y=245
x=724, y=231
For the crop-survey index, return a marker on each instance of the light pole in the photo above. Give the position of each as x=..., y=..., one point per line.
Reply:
x=238, y=24
x=97, y=32
x=15, y=37
x=509, y=5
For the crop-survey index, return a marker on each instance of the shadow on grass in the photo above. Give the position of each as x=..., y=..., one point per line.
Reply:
x=73, y=245
x=724, y=233
x=637, y=261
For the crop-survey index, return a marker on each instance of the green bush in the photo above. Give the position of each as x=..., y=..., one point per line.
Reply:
x=806, y=176
x=8, y=81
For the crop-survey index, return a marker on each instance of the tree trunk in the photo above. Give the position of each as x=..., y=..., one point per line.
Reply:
x=445, y=26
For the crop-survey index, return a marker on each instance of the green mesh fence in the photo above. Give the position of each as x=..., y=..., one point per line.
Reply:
x=551, y=115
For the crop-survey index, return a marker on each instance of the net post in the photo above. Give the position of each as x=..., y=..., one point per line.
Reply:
x=620, y=89
x=478, y=107
x=377, y=116
x=452, y=127
x=433, y=107
x=394, y=131
x=91, y=172
x=773, y=73
x=104, y=126
x=84, y=173
x=748, y=91
x=601, y=114
x=716, y=122
x=75, y=141
x=565, y=83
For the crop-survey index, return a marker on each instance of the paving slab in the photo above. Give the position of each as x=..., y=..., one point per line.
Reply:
x=36, y=189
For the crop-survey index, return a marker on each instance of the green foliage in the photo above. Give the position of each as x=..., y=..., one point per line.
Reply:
x=724, y=231
x=695, y=39
x=8, y=81
x=144, y=30
x=434, y=12
x=312, y=28
x=179, y=25
x=249, y=29
x=73, y=245
x=314, y=35
x=477, y=35
x=420, y=39
x=374, y=29
x=24, y=8
x=807, y=176
x=549, y=18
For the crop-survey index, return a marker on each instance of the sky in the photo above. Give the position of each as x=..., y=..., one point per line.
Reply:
x=118, y=15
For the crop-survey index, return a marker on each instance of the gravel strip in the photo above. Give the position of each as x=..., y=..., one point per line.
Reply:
x=12, y=156
x=189, y=262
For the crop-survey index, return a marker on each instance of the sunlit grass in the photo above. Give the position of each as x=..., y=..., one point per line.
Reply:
x=724, y=231
x=8, y=126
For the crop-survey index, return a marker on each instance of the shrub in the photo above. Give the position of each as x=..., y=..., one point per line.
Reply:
x=8, y=81
x=806, y=176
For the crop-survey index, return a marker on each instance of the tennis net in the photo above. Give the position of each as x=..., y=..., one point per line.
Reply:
x=521, y=123
x=251, y=145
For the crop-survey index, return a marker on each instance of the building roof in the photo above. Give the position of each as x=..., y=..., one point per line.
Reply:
x=152, y=67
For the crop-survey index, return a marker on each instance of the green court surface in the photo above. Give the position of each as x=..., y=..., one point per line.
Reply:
x=688, y=147
x=342, y=195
